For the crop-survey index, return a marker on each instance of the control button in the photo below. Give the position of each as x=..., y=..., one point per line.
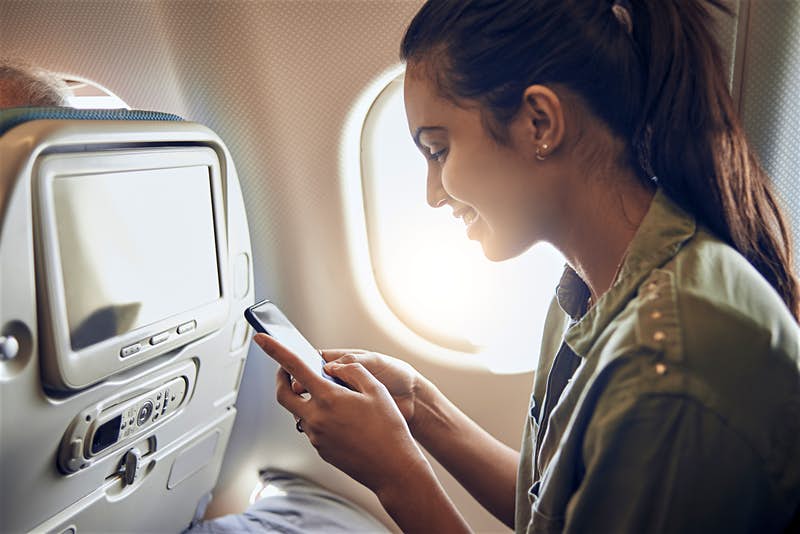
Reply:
x=76, y=448
x=158, y=396
x=144, y=413
x=130, y=350
x=187, y=327
x=9, y=348
x=158, y=406
x=159, y=338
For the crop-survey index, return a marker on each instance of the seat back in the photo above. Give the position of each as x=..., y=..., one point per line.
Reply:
x=124, y=273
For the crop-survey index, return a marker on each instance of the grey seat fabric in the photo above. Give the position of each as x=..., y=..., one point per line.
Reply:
x=304, y=507
x=11, y=117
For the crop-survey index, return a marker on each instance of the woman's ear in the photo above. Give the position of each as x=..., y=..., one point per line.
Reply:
x=544, y=120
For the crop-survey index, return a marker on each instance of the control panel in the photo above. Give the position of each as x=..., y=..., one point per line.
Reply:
x=100, y=429
x=135, y=416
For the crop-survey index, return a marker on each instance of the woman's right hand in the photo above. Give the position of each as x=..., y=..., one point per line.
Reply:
x=400, y=378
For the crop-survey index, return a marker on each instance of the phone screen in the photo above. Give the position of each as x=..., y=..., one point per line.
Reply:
x=267, y=318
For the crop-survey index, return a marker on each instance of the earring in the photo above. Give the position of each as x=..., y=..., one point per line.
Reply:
x=539, y=149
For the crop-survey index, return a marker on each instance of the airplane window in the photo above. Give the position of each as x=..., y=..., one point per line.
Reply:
x=89, y=95
x=431, y=276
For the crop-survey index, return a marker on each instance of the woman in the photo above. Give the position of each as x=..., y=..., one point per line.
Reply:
x=672, y=400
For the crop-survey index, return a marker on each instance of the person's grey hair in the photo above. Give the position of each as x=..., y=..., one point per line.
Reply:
x=26, y=85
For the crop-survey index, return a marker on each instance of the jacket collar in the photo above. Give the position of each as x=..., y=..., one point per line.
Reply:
x=662, y=233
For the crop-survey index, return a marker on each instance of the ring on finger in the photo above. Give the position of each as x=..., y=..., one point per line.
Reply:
x=299, y=425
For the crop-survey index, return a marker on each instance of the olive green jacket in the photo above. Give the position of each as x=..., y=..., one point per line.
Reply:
x=684, y=412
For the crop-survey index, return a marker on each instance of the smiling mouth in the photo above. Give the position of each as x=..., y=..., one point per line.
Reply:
x=468, y=216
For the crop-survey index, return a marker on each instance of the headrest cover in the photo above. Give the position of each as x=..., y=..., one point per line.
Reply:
x=12, y=117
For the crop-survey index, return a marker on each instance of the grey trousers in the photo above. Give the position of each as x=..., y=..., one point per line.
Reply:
x=301, y=507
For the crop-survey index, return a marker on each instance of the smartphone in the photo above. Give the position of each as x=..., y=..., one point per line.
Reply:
x=268, y=319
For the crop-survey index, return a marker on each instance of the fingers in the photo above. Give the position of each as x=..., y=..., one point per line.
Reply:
x=297, y=387
x=353, y=374
x=291, y=362
x=287, y=398
x=330, y=355
x=341, y=355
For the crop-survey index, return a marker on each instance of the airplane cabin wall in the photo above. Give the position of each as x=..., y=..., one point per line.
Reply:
x=768, y=85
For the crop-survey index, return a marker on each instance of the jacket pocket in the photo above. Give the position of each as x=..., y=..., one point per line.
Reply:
x=542, y=522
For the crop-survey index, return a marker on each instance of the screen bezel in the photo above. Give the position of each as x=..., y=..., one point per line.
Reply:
x=65, y=368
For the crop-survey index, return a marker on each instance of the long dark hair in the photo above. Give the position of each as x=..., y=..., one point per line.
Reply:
x=655, y=78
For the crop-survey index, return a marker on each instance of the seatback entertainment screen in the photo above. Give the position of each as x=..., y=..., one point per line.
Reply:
x=135, y=247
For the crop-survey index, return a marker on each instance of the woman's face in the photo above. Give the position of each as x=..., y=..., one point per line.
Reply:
x=499, y=191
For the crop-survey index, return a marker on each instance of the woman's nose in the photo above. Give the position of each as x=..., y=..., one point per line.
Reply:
x=437, y=197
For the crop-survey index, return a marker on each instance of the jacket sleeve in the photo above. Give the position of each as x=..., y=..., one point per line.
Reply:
x=666, y=463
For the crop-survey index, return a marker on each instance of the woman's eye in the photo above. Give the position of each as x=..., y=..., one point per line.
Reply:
x=438, y=156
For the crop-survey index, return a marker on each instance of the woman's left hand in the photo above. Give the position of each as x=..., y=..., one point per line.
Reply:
x=359, y=430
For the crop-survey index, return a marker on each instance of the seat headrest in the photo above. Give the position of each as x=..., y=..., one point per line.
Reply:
x=11, y=117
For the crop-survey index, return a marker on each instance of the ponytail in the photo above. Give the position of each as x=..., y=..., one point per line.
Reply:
x=658, y=62
x=689, y=137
